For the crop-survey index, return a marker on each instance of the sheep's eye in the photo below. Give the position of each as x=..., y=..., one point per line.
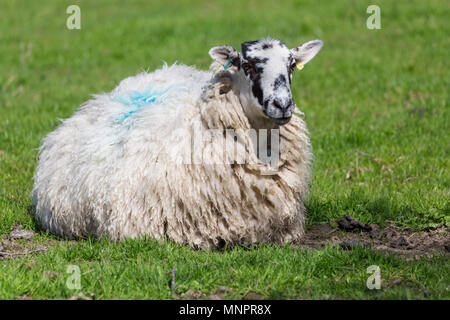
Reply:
x=292, y=67
x=247, y=67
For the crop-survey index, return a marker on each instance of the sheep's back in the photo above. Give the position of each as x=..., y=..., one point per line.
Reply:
x=91, y=164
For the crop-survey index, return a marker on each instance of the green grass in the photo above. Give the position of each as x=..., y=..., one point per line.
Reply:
x=383, y=92
x=141, y=270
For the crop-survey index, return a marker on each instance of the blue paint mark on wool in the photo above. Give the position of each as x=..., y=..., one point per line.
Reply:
x=135, y=100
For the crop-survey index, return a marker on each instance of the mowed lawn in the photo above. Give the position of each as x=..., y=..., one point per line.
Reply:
x=375, y=102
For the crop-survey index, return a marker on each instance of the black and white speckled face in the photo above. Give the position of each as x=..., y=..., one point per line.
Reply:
x=268, y=65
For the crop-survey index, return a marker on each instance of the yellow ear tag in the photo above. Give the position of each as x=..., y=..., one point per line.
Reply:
x=300, y=66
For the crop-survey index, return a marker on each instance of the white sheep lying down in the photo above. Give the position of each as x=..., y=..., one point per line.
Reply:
x=131, y=162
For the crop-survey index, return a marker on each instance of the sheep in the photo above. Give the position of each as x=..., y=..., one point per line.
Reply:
x=135, y=162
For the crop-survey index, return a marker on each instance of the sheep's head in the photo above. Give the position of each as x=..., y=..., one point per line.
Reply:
x=266, y=67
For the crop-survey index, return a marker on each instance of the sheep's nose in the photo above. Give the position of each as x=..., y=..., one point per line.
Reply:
x=282, y=105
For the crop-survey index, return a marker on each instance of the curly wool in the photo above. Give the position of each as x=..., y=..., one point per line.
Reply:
x=121, y=173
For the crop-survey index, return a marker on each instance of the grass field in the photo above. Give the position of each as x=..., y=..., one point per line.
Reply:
x=383, y=93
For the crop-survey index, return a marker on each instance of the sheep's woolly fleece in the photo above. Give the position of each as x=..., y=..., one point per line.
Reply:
x=117, y=167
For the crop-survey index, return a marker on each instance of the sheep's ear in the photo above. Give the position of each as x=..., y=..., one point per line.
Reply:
x=307, y=51
x=223, y=54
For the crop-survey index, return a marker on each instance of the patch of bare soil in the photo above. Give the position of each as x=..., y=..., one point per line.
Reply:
x=82, y=296
x=351, y=233
x=20, y=243
x=219, y=294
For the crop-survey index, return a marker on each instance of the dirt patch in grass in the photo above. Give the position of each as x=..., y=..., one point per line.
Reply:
x=219, y=294
x=19, y=242
x=347, y=234
x=351, y=233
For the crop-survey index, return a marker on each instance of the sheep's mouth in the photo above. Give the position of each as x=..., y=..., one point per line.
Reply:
x=280, y=121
